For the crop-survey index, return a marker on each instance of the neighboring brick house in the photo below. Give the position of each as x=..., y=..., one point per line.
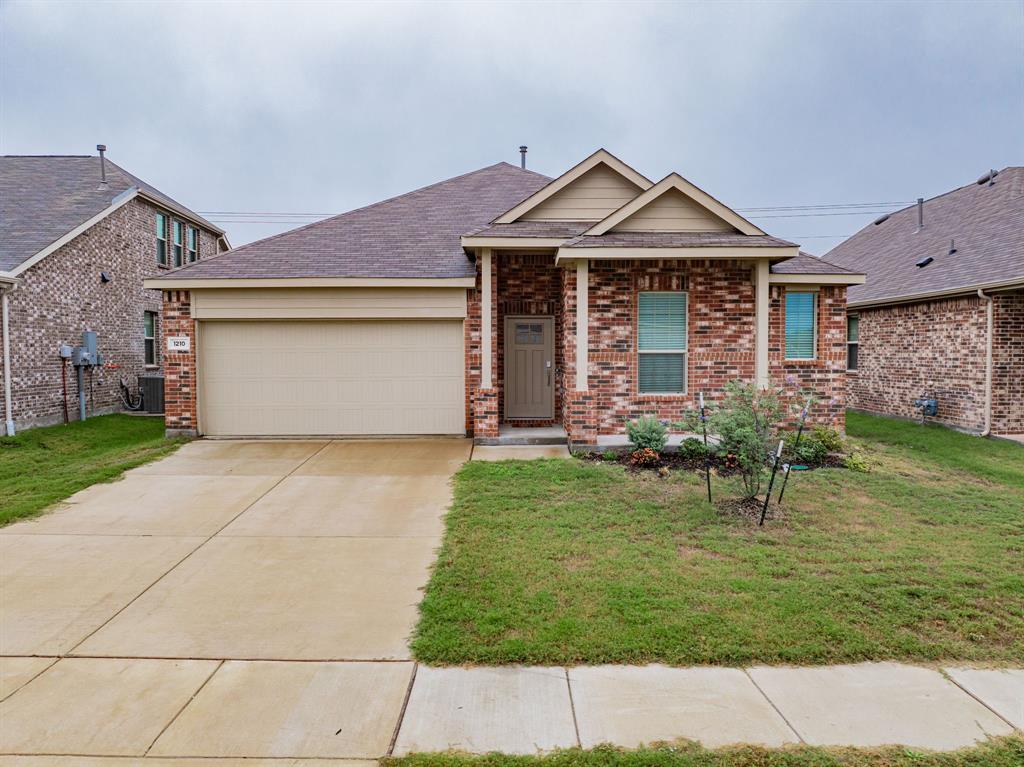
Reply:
x=75, y=248
x=498, y=300
x=942, y=312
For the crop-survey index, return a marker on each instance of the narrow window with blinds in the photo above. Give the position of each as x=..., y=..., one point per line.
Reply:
x=801, y=325
x=661, y=343
x=852, y=341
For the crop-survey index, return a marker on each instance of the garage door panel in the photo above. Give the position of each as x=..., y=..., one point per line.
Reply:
x=331, y=377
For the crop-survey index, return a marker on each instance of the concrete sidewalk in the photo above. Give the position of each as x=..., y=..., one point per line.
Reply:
x=365, y=710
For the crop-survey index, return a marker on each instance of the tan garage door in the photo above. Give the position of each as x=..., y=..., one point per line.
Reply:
x=334, y=377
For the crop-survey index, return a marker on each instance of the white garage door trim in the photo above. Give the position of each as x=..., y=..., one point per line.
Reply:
x=296, y=378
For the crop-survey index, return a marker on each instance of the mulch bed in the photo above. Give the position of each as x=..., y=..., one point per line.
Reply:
x=719, y=466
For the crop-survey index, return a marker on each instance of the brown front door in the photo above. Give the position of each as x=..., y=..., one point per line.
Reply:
x=529, y=367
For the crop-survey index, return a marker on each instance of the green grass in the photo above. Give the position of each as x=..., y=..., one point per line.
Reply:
x=567, y=562
x=42, y=466
x=1005, y=752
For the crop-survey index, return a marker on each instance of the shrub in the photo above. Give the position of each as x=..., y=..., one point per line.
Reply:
x=645, y=456
x=810, y=450
x=647, y=432
x=830, y=439
x=857, y=461
x=692, y=449
x=745, y=424
x=609, y=455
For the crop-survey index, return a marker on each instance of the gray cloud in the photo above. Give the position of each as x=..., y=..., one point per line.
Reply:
x=321, y=107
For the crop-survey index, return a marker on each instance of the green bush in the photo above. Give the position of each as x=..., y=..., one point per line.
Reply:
x=857, y=460
x=810, y=450
x=830, y=439
x=692, y=448
x=647, y=432
x=610, y=455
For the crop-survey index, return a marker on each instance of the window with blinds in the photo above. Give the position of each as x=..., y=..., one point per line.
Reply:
x=852, y=341
x=661, y=343
x=801, y=325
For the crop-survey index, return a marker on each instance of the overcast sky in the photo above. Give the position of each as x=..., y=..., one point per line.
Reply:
x=320, y=108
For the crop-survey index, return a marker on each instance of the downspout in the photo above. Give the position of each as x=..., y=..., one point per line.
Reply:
x=988, y=363
x=6, y=312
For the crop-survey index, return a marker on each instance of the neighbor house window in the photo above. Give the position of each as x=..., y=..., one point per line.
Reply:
x=852, y=341
x=801, y=325
x=193, y=244
x=177, y=226
x=149, y=336
x=661, y=343
x=161, y=239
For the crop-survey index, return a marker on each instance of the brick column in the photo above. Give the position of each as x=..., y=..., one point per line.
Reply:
x=179, y=367
x=485, y=414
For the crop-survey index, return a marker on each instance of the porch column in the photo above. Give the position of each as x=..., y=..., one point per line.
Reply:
x=582, y=330
x=761, y=304
x=486, y=365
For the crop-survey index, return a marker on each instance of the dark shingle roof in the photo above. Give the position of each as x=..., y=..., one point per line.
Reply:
x=985, y=222
x=563, y=229
x=805, y=263
x=415, y=235
x=43, y=198
x=676, y=240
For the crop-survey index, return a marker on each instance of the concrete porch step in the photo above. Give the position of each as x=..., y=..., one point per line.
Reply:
x=522, y=435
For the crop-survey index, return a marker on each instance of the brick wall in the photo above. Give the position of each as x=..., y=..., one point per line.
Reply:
x=1008, y=364
x=825, y=375
x=62, y=295
x=939, y=347
x=179, y=367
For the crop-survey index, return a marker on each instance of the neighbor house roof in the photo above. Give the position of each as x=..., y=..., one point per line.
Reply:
x=983, y=223
x=43, y=198
x=413, y=236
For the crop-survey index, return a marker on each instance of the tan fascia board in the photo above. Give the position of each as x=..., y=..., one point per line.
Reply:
x=611, y=254
x=675, y=181
x=1012, y=284
x=118, y=202
x=817, y=279
x=7, y=279
x=170, y=283
x=558, y=184
x=157, y=202
x=513, y=242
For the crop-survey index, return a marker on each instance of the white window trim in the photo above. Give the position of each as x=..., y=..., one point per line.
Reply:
x=684, y=352
x=165, y=240
x=814, y=328
x=850, y=343
x=189, y=231
x=156, y=347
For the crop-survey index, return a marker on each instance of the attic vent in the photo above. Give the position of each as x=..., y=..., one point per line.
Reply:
x=989, y=178
x=952, y=247
x=924, y=262
x=881, y=219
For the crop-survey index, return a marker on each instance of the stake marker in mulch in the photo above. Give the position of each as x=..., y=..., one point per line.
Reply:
x=799, y=432
x=768, y=495
x=707, y=454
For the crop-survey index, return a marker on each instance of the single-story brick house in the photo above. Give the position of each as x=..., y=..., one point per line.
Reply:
x=501, y=299
x=78, y=235
x=942, y=311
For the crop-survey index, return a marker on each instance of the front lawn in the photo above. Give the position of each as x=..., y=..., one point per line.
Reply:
x=41, y=466
x=1003, y=752
x=570, y=562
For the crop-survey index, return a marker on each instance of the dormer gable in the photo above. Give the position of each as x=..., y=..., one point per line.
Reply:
x=674, y=205
x=590, y=191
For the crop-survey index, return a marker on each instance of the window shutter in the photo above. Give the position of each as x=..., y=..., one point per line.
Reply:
x=800, y=326
x=662, y=321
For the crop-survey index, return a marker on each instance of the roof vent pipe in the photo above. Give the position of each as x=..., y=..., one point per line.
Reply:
x=989, y=178
x=920, y=213
x=101, y=148
x=522, y=157
x=952, y=247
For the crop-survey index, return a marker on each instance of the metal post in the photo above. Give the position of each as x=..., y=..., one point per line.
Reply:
x=707, y=456
x=799, y=432
x=768, y=495
x=81, y=393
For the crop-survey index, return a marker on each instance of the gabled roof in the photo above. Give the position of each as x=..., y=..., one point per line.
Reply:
x=600, y=157
x=44, y=198
x=413, y=236
x=805, y=263
x=692, y=192
x=984, y=223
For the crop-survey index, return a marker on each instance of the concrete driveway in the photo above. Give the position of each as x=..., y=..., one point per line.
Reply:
x=236, y=599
